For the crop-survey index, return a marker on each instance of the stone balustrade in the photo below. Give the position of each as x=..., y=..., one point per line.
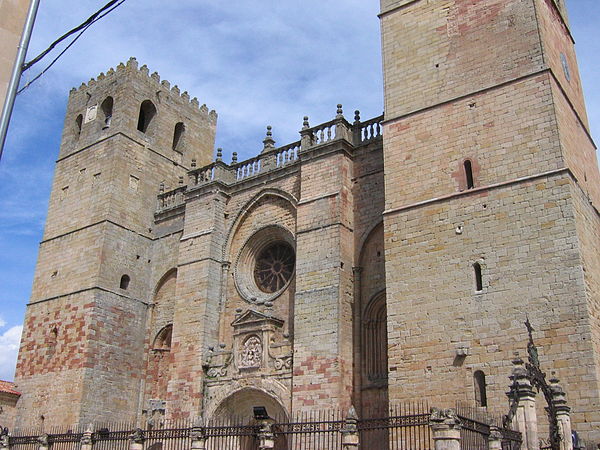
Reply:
x=171, y=199
x=359, y=133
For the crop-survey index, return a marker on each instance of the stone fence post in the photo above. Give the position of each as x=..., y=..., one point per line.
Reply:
x=350, y=436
x=87, y=442
x=266, y=438
x=525, y=419
x=137, y=439
x=563, y=414
x=4, y=439
x=43, y=443
x=198, y=435
x=445, y=426
x=495, y=439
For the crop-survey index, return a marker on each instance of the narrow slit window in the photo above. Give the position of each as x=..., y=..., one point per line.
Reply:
x=478, y=278
x=480, y=388
x=124, y=282
x=147, y=113
x=178, y=137
x=469, y=174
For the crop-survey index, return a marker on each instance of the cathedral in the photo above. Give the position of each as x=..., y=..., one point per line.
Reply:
x=373, y=261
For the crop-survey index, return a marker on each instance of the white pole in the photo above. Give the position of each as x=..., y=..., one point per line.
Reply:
x=13, y=85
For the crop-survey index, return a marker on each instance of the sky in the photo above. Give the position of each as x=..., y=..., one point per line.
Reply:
x=256, y=63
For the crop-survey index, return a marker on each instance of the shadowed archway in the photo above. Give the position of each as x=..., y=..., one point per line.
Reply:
x=237, y=409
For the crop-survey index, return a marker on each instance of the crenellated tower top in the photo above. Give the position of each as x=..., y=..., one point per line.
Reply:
x=132, y=101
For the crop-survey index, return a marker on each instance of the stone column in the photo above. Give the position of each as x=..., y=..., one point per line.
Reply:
x=525, y=419
x=86, y=439
x=137, y=439
x=350, y=436
x=495, y=439
x=266, y=438
x=197, y=434
x=445, y=426
x=563, y=414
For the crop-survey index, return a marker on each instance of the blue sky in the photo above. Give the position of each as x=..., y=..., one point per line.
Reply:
x=269, y=64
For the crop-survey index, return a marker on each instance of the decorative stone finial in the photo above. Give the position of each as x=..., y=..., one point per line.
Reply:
x=234, y=158
x=444, y=418
x=269, y=142
x=219, y=154
x=137, y=436
x=357, y=116
x=305, y=124
x=339, y=112
x=161, y=188
x=352, y=413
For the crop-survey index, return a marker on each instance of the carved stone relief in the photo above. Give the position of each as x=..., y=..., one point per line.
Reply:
x=251, y=353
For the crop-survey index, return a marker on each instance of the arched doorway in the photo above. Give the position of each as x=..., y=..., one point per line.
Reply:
x=238, y=409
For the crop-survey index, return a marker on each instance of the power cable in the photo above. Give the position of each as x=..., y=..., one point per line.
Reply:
x=87, y=24
x=83, y=25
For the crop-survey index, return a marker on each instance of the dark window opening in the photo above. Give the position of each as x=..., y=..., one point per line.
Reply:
x=147, y=113
x=178, y=137
x=480, y=388
x=469, y=174
x=107, y=110
x=478, y=278
x=78, y=124
x=124, y=282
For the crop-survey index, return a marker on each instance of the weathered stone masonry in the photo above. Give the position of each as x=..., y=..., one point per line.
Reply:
x=369, y=262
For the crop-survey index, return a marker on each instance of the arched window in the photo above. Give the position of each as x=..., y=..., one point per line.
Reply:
x=78, y=125
x=147, y=113
x=478, y=277
x=480, y=388
x=469, y=174
x=162, y=341
x=178, y=137
x=375, y=340
x=107, y=110
x=124, y=282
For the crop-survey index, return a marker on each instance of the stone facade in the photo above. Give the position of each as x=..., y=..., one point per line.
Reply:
x=370, y=262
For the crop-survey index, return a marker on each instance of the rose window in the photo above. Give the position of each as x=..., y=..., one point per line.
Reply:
x=265, y=265
x=274, y=267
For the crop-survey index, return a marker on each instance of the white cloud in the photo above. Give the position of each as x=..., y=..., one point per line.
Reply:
x=2, y=322
x=9, y=347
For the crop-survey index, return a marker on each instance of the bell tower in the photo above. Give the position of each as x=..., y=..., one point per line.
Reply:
x=492, y=190
x=82, y=354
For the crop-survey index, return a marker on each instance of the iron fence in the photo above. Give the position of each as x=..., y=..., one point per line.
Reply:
x=319, y=430
x=405, y=427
